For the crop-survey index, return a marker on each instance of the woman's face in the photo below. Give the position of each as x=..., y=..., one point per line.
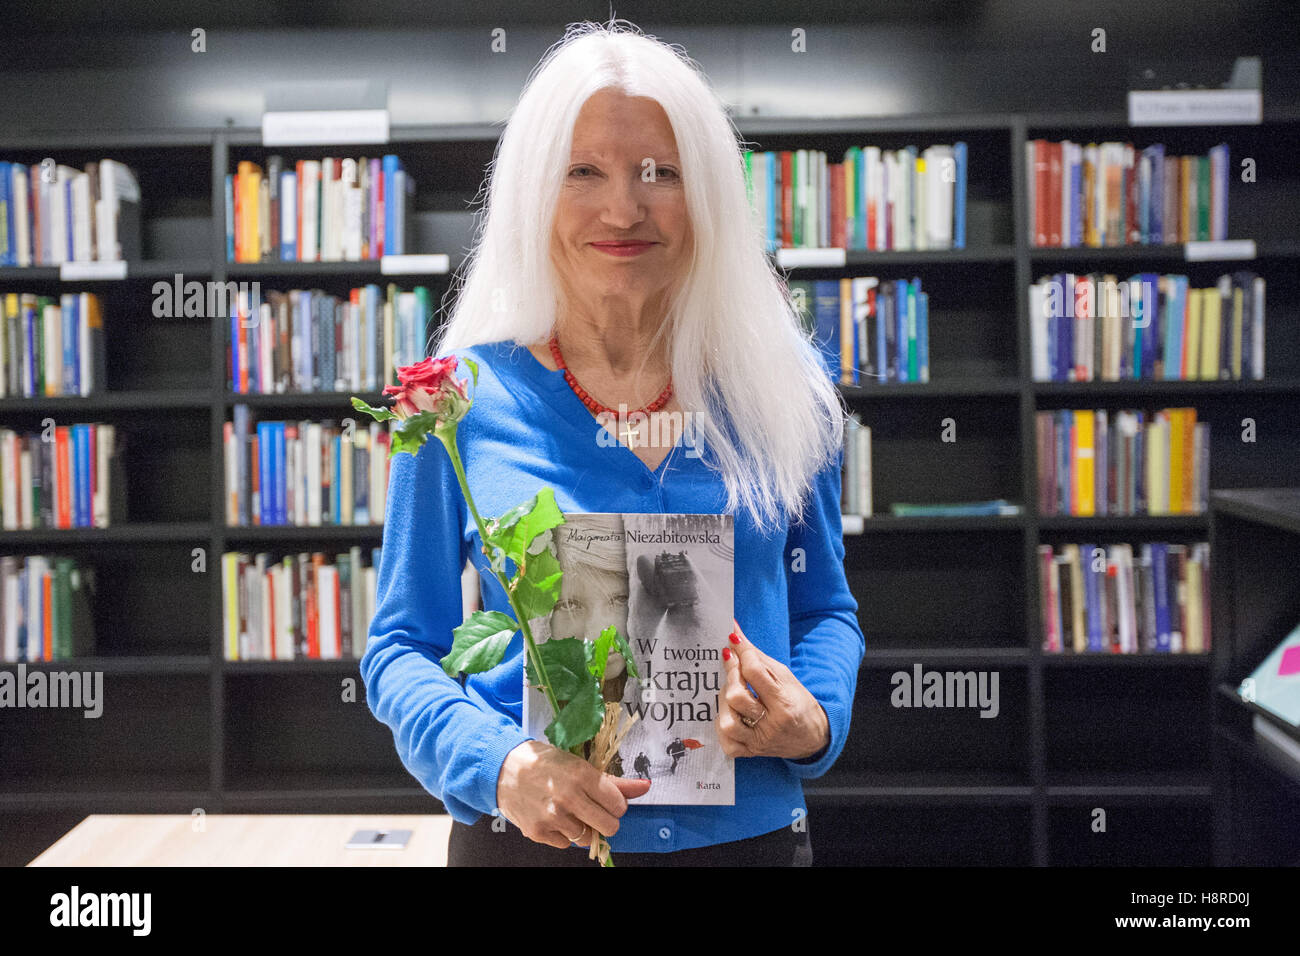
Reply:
x=621, y=228
x=591, y=599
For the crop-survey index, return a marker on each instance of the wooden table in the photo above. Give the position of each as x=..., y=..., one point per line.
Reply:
x=244, y=840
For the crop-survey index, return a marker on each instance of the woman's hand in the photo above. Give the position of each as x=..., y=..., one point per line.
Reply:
x=787, y=720
x=557, y=798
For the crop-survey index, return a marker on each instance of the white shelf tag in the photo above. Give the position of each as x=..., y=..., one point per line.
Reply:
x=324, y=127
x=816, y=258
x=435, y=264
x=1207, y=251
x=852, y=524
x=83, y=271
x=1195, y=107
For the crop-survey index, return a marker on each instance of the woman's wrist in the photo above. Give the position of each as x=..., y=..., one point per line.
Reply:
x=823, y=738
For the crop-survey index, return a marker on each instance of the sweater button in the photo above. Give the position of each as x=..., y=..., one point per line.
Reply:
x=665, y=833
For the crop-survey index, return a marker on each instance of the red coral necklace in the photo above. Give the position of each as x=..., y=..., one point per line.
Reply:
x=591, y=403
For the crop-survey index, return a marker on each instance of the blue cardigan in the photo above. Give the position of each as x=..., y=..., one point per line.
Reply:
x=526, y=430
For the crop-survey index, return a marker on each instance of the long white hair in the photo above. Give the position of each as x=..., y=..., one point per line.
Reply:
x=763, y=407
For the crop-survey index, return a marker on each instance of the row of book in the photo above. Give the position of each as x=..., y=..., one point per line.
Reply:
x=52, y=345
x=1149, y=462
x=311, y=341
x=1111, y=194
x=1112, y=600
x=45, y=608
x=331, y=209
x=855, y=473
x=64, y=476
x=296, y=607
x=51, y=213
x=869, y=330
x=305, y=473
x=875, y=199
x=1095, y=327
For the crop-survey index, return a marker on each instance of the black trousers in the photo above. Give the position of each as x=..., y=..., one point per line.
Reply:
x=480, y=845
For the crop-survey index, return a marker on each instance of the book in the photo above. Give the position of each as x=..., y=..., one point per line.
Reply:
x=666, y=582
x=1275, y=684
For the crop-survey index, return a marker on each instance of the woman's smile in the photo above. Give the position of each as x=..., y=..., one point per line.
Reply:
x=623, y=249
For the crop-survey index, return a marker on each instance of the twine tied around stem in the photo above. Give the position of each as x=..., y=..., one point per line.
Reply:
x=604, y=747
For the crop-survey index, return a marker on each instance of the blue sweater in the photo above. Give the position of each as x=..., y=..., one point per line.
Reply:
x=526, y=430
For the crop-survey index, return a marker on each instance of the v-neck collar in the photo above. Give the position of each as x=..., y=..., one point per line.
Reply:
x=554, y=389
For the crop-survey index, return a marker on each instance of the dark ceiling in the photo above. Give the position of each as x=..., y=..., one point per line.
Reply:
x=1268, y=24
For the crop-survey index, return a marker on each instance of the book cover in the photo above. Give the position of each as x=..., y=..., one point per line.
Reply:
x=666, y=582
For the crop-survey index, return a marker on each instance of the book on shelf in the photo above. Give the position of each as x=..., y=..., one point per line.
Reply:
x=873, y=200
x=46, y=606
x=665, y=581
x=1113, y=194
x=855, y=472
x=868, y=330
x=1113, y=599
x=297, y=607
x=332, y=209
x=1147, y=463
x=52, y=345
x=311, y=341
x=66, y=476
x=1275, y=684
x=51, y=213
x=1147, y=327
x=304, y=473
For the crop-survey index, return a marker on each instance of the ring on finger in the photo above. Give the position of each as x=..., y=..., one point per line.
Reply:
x=751, y=721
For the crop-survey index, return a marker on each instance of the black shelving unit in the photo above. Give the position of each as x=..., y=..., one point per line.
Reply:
x=1256, y=533
x=184, y=729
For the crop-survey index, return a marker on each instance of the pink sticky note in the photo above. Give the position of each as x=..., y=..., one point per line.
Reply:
x=1290, y=662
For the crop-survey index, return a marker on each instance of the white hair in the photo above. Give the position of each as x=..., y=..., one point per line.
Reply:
x=764, y=408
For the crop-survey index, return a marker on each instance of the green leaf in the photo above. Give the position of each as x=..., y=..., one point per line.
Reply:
x=537, y=587
x=565, y=660
x=473, y=367
x=479, y=643
x=411, y=434
x=620, y=643
x=580, y=718
x=379, y=414
x=598, y=655
x=515, y=530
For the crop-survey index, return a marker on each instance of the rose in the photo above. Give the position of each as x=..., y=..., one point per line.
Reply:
x=432, y=374
x=430, y=400
x=430, y=386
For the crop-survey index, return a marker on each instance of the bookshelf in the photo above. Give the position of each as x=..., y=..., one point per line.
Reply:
x=183, y=729
x=1257, y=603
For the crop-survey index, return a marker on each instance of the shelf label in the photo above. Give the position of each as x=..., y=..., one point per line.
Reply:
x=852, y=524
x=324, y=127
x=435, y=264
x=806, y=258
x=1195, y=107
x=84, y=271
x=1211, y=251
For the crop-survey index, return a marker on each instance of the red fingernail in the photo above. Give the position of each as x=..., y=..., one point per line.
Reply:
x=726, y=653
x=734, y=638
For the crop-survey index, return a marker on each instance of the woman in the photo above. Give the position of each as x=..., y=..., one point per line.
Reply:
x=619, y=268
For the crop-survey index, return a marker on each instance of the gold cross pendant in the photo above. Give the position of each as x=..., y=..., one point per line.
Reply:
x=626, y=436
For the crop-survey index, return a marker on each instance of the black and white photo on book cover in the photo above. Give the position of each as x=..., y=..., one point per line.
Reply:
x=666, y=581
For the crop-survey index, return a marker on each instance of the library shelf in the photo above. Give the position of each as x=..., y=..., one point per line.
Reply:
x=272, y=738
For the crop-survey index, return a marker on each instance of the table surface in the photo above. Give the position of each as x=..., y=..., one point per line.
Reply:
x=270, y=839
